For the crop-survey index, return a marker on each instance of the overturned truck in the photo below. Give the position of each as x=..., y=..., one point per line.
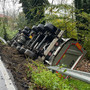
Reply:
x=46, y=42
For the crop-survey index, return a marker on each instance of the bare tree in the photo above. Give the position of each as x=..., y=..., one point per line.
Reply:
x=4, y=20
x=14, y=4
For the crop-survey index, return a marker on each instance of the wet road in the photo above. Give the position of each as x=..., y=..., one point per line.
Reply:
x=5, y=81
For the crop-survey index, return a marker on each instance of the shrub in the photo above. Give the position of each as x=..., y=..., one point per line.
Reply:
x=87, y=45
x=50, y=80
x=42, y=77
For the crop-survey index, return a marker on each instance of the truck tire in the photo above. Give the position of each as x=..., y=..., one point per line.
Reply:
x=30, y=54
x=34, y=28
x=41, y=28
x=25, y=32
x=50, y=28
x=9, y=43
x=22, y=50
x=27, y=28
x=14, y=44
x=18, y=47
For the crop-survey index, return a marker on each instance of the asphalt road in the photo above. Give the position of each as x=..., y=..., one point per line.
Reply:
x=5, y=80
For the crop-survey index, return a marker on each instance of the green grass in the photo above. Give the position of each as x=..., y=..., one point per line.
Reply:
x=42, y=77
x=50, y=81
x=10, y=33
x=80, y=85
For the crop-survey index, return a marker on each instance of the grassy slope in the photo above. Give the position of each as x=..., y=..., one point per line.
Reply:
x=45, y=78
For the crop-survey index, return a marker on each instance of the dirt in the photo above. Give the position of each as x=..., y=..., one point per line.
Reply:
x=16, y=62
x=84, y=65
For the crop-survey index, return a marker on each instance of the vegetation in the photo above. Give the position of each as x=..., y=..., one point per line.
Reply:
x=44, y=78
x=76, y=22
x=34, y=10
x=83, y=23
x=9, y=32
x=62, y=20
x=79, y=84
x=82, y=16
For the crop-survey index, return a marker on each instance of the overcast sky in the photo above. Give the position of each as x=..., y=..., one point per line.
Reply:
x=59, y=1
x=9, y=5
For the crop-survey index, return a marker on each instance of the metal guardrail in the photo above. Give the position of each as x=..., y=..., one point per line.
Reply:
x=3, y=40
x=84, y=76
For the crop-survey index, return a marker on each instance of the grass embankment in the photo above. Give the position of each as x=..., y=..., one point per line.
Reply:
x=42, y=77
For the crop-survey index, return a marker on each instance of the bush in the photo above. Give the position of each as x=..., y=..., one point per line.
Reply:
x=42, y=77
x=87, y=45
x=50, y=81
x=11, y=33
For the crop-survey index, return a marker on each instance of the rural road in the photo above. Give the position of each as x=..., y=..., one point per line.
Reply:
x=5, y=80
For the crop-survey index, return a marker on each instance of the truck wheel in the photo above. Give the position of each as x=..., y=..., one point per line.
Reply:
x=9, y=43
x=27, y=28
x=14, y=44
x=30, y=54
x=51, y=28
x=18, y=47
x=22, y=50
x=25, y=32
x=34, y=28
x=41, y=28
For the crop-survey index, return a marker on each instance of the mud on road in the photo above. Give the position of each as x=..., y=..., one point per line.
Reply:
x=15, y=62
